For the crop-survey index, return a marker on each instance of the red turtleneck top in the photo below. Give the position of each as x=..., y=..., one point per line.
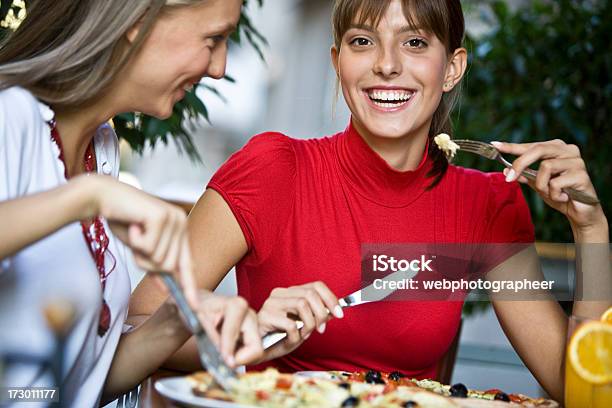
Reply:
x=306, y=206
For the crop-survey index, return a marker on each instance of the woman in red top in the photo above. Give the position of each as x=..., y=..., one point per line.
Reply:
x=290, y=212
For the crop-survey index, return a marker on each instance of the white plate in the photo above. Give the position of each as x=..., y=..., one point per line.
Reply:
x=179, y=389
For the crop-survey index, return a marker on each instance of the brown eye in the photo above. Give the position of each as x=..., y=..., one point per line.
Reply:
x=361, y=42
x=416, y=43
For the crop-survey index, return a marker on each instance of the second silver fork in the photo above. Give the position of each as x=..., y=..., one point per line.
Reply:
x=489, y=151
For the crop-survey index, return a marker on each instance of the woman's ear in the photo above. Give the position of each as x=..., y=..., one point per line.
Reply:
x=133, y=32
x=455, y=69
x=334, y=57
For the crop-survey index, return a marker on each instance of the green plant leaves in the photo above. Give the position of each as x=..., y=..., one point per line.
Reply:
x=544, y=73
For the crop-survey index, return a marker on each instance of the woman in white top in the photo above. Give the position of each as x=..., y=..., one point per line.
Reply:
x=65, y=221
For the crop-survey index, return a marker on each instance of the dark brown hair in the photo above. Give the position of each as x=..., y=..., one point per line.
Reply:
x=444, y=18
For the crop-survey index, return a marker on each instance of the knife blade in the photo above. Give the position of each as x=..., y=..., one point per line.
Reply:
x=209, y=354
x=365, y=295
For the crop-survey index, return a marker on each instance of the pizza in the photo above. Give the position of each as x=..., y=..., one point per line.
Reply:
x=457, y=391
x=271, y=389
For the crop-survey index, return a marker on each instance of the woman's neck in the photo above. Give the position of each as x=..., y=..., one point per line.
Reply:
x=77, y=129
x=402, y=154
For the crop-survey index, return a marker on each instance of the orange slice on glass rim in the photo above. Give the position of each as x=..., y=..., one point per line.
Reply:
x=590, y=352
x=607, y=316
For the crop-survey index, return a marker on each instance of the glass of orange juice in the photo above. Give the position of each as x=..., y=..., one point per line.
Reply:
x=588, y=363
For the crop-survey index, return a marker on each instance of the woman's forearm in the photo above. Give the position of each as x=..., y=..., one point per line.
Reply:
x=26, y=220
x=144, y=349
x=185, y=359
x=593, y=273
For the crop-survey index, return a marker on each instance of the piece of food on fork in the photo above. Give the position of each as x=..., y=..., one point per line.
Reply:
x=446, y=144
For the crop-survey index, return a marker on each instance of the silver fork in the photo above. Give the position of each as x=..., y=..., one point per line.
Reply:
x=489, y=151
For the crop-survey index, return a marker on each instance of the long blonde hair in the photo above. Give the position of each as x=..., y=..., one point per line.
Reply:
x=68, y=52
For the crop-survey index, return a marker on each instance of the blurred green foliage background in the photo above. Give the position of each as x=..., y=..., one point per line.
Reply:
x=544, y=72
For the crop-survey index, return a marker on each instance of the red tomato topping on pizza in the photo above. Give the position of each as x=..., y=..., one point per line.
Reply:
x=493, y=391
x=262, y=395
x=517, y=398
x=357, y=377
x=390, y=387
x=283, y=383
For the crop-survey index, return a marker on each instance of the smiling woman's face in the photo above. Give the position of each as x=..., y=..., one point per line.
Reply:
x=392, y=76
x=185, y=44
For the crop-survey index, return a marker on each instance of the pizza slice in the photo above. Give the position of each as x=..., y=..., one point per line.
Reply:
x=271, y=389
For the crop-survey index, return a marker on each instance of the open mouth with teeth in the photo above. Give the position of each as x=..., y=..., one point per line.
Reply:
x=389, y=98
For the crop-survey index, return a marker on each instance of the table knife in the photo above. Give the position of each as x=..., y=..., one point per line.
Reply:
x=209, y=354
